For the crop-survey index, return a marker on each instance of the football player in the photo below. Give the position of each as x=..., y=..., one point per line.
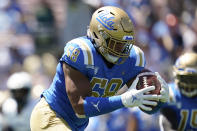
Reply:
x=181, y=111
x=90, y=72
x=16, y=109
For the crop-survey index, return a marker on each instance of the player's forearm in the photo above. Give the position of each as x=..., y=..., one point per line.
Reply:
x=94, y=106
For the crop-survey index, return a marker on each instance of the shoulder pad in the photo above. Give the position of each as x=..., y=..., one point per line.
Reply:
x=140, y=58
x=85, y=49
x=78, y=53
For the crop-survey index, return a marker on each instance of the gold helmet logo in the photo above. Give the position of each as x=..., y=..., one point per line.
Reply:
x=106, y=19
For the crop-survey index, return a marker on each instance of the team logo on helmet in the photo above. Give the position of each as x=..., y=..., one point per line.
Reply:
x=106, y=20
x=128, y=38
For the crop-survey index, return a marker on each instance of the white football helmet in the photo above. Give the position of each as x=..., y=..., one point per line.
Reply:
x=111, y=31
x=185, y=70
x=19, y=80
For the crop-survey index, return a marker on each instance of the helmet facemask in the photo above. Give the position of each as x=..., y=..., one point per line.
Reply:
x=187, y=84
x=113, y=49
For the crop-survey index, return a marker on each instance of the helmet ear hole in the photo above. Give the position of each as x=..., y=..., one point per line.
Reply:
x=107, y=41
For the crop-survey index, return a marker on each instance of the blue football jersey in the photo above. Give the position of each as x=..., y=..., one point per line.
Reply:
x=181, y=111
x=81, y=54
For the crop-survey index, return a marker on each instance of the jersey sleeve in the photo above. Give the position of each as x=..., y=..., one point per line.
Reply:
x=77, y=54
x=139, y=57
x=136, y=61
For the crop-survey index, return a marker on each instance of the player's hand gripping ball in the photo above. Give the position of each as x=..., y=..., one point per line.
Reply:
x=148, y=78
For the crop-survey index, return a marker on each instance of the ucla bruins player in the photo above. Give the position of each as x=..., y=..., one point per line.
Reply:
x=90, y=72
x=181, y=112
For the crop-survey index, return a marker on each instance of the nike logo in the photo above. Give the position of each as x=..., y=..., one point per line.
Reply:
x=134, y=98
x=96, y=105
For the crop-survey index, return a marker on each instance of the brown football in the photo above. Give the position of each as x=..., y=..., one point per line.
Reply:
x=148, y=78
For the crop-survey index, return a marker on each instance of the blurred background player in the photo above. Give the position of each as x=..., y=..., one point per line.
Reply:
x=90, y=72
x=181, y=112
x=17, y=108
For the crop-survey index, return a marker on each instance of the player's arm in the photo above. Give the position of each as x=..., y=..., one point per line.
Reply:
x=79, y=93
x=77, y=88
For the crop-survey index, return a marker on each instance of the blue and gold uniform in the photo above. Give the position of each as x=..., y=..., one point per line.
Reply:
x=181, y=111
x=81, y=54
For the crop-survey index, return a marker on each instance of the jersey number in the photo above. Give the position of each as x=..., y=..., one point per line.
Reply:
x=73, y=53
x=110, y=88
x=184, y=118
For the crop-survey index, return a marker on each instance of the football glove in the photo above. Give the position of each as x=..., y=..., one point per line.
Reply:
x=134, y=97
x=164, y=92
